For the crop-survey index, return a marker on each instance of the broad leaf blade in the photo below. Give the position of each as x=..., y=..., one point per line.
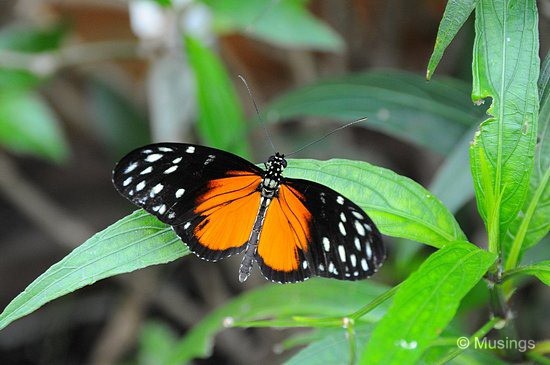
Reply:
x=221, y=121
x=505, y=68
x=315, y=297
x=541, y=270
x=426, y=303
x=434, y=115
x=134, y=242
x=399, y=206
x=29, y=126
x=533, y=221
x=455, y=15
x=287, y=23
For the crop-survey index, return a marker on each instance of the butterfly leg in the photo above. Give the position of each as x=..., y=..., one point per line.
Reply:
x=252, y=246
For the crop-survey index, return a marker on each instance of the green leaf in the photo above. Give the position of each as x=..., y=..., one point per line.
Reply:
x=134, y=242
x=505, y=68
x=533, y=221
x=425, y=304
x=164, y=3
x=452, y=182
x=119, y=124
x=541, y=270
x=399, y=206
x=221, y=121
x=455, y=15
x=434, y=115
x=332, y=348
x=29, y=126
x=28, y=39
x=17, y=80
x=287, y=23
x=156, y=340
x=319, y=297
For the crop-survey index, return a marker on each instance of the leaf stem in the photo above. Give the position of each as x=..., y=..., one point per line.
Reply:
x=480, y=333
x=374, y=303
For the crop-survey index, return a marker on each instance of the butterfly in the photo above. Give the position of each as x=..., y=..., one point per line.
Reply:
x=220, y=204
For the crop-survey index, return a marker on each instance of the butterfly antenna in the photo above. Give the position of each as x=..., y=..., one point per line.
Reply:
x=326, y=135
x=258, y=113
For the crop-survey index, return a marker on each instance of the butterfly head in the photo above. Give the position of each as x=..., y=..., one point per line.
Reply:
x=273, y=175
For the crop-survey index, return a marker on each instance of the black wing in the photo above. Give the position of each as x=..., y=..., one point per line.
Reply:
x=168, y=180
x=345, y=243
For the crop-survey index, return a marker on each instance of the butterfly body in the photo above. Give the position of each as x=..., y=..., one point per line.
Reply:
x=221, y=204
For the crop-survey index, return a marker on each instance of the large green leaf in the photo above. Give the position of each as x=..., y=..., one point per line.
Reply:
x=221, y=121
x=506, y=69
x=316, y=297
x=134, y=242
x=434, y=115
x=533, y=221
x=399, y=206
x=456, y=13
x=425, y=303
x=285, y=22
x=28, y=125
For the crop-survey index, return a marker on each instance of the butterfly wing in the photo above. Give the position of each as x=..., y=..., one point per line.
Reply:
x=208, y=196
x=311, y=229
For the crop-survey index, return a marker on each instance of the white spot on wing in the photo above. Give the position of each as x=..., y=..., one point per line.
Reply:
x=342, y=229
x=157, y=188
x=368, y=251
x=177, y=160
x=186, y=225
x=353, y=260
x=359, y=228
x=154, y=157
x=340, y=200
x=321, y=267
x=342, y=217
x=190, y=149
x=171, y=169
x=131, y=167
x=171, y=215
x=179, y=193
x=127, y=181
x=165, y=149
x=357, y=215
x=364, y=265
x=326, y=244
x=147, y=170
x=342, y=253
x=304, y=265
x=331, y=268
x=162, y=209
x=357, y=243
x=140, y=186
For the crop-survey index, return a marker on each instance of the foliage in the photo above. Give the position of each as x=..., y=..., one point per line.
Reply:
x=508, y=175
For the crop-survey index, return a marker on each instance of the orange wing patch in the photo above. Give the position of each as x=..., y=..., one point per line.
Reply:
x=285, y=230
x=229, y=206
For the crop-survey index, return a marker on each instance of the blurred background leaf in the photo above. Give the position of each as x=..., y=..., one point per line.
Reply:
x=282, y=22
x=433, y=115
x=28, y=126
